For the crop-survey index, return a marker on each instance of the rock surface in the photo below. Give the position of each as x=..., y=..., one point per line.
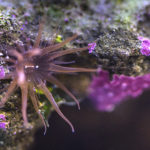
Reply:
x=114, y=26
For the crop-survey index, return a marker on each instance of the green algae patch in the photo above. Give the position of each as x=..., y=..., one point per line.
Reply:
x=125, y=14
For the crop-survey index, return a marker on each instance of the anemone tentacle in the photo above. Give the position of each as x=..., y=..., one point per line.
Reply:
x=38, y=38
x=55, y=47
x=24, y=93
x=33, y=66
x=57, y=68
x=10, y=90
x=34, y=100
x=65, y=52
x=49, y=96
x=53, y=80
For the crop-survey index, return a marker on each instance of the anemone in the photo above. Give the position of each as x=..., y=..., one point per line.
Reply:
x=32, y=67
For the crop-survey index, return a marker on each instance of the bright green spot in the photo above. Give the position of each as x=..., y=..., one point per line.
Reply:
x=59, y=38
x=38, y=91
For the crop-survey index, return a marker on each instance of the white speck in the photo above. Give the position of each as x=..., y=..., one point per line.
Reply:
x=26, y=66
x=7, y=57
x=36, y=66
x=1, y=54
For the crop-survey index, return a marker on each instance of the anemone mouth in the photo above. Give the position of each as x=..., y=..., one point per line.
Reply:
x=34, y=67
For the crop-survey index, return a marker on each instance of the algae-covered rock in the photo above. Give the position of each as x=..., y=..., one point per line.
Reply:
x=13, y=30
x=113, y=25
x=118, y=50
x=118, y=42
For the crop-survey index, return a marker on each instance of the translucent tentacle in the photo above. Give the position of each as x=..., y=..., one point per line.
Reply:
x=49, y=96
x=60, y=85
x=57, y=46
x=38, y=38
x=58, y=62
x=68, y=51
x=10, y=90
x=35, y=104
x=57, y=68
x=24, y=93
x=16, y=54
x=32, y=53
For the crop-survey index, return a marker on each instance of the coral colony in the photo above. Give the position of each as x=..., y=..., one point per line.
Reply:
x=105, y=93
x=145, y=46
x=32, y=67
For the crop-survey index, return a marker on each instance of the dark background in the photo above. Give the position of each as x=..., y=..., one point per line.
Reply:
x=126, y=128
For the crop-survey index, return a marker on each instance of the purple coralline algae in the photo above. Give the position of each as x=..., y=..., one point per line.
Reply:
x=2, y=72
x=2, y=117
x=106, y=93
x=66, y=19
x=22, y=28
x=3, y=123
x=145, y=46
x=91, y=47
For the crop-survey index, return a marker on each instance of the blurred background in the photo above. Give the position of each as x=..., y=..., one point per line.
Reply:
x=126, y=128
